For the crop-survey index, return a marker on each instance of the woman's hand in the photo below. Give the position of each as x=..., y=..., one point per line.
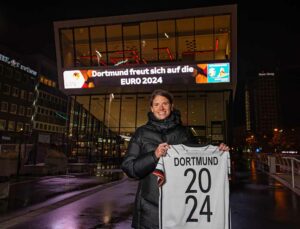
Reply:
x=161, y=150
x=223, y=147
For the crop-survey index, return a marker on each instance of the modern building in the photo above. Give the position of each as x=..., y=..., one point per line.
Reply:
x=17, y=80
x=49, y=108
x=262, y=108
x=33, y=110
x=109, y=66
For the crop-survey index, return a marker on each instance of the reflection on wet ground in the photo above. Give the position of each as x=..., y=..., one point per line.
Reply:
x=114, y=219
x=259, y=201
x=256, y=201
x=30, y=192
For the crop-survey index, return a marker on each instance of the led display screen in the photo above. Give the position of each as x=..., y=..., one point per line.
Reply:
x=187, y=74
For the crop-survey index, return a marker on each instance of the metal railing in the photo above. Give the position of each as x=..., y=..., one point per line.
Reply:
x=294, y=164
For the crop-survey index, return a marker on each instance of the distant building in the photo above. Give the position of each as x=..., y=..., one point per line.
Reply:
x=17, y=80
x=262, y=105
x=33, y=110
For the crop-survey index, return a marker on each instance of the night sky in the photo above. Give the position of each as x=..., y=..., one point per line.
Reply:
x=268, y=35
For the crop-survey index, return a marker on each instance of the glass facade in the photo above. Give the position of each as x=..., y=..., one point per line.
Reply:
x=101, y=123
x=183, y=39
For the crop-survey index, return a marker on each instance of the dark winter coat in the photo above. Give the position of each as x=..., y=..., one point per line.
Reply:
x=141, y=161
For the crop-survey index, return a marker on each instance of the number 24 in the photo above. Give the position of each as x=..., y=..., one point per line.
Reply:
x=189, y=189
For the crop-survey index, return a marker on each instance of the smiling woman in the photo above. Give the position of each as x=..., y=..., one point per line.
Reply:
x=149, y=143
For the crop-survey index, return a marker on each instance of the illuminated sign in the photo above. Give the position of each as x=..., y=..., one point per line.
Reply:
x=147, y=75
x=266, y=74
x=289, y=152
x=16, y=64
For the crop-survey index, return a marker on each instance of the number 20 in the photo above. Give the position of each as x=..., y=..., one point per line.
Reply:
x=189, y=189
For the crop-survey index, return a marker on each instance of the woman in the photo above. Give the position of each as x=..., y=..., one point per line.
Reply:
x=148, y=144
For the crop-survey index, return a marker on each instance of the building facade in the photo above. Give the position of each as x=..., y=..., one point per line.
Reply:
x=33, y=110
x=109, y=67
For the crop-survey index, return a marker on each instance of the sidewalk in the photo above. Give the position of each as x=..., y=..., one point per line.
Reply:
x=32, y=193
x=105, y=206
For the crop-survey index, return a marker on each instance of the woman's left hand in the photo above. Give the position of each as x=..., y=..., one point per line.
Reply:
x=223, y=147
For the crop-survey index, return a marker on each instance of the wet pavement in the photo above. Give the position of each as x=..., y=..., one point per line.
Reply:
x=27, y=192
x=257, y=201
x=109, y=208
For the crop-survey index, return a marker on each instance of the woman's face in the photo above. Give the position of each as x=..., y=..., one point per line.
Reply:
x=161, y=107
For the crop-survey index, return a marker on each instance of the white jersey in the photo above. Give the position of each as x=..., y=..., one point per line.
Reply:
x=194, y=188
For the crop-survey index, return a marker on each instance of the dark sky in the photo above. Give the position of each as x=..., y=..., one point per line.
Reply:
x=268, y=33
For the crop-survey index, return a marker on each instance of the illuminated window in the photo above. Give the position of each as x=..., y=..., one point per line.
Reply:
x=83, y=55
x=186, y=39
x=131, y=43
x=2, y=124
x=67, y=47
x=11, y=126
x=19, y=126
x=222, y=37
x=166, y=40
x=204, y=38
x=114, y=44
x=99, y=52
x=149, y=51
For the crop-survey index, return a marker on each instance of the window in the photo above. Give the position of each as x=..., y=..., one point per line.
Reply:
x=4, y=106
x=99, y=54
x=166, y=40
x=114, y=44
x=149, y=41
x=67, y=45
x=30, y=96
x=131, y=43
x=21, y=110
x=186, y=40
x=18, y=75
x=29, y=111
x=11, y=126
x=1, y=69
x=15, y=92
x=19, y=126
x=6, y=89
x=23, y=94
x=8, y=72
x=27, y=127
x=83, y=55
x=2, y=124
x=13, y=108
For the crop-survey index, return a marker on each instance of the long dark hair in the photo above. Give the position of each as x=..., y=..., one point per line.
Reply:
x=163, y=93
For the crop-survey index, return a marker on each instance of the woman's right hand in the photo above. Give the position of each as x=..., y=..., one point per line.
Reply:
x=161, y=150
